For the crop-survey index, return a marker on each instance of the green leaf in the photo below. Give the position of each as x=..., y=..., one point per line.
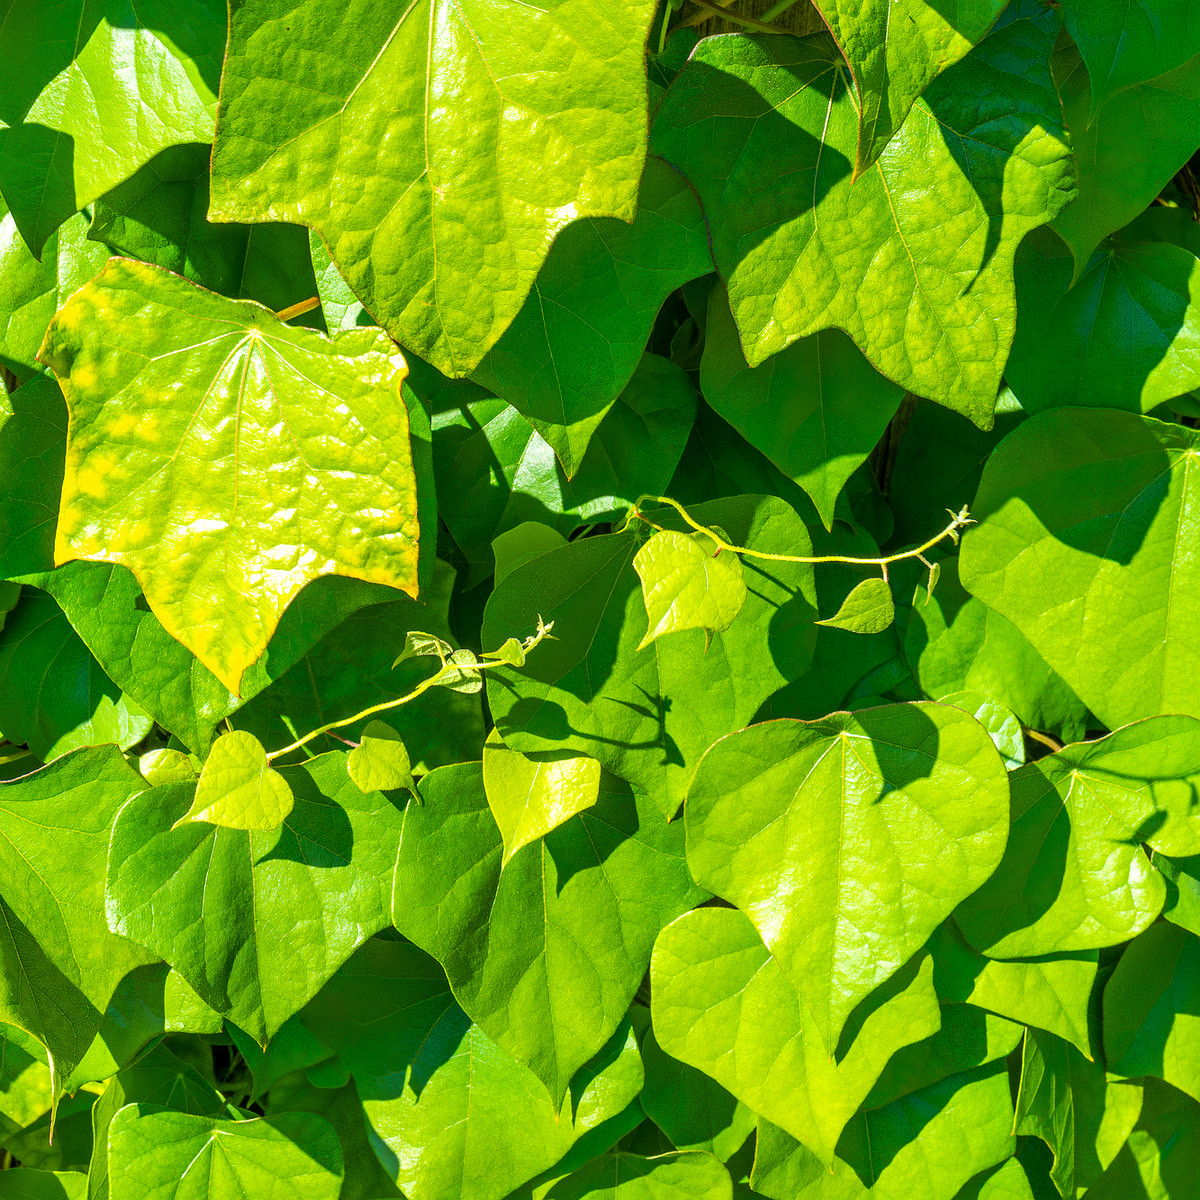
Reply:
x=441, y=1099
x=1126, y=335
x=848, y=840
x=139, y=487
x=166, y=766
x=1080, y=512
x=867, y=609
x=1008, y=1181
x=160, y=1079
x=350, y=669
x=1128, y=43
x=895, y=49
x=928, y=1144
x=152, y=1153
x=546, y=955
x=1002, y=724
x=647, y=715
x=815, y=410
x=574, y=345
x=26, y=1087
x=340, y=307
x=380, y=763
x=688, y=582
x=32, y=289
x=1074, y=876
x=54, y=833
x=1049, y=993
x=54, y=697
x=516, y=546
x=96, y=90
x=25, y=1183
x=1182, y=876
x=955, y=643
x=529, y=798
x=237, y=788
x=1066, y=1101
x=495, y=471
x=222, y=905
x=721, y=1003
x=158, y=216
x=1126, y=149
x=691, y=1108
x=623, y=1176
x=765, y=129
x=1151, y=1026
x=460, y=142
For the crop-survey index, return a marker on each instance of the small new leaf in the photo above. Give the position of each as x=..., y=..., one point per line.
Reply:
x=688, y=586
x=420, y=645
x=380, y=762
x=238, y=789
x=868, y=608
x=166, y=766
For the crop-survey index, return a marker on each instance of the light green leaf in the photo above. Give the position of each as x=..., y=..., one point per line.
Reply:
x=96, y=90
x=1005, y=1182
x=441, y=1099
x=340, y=307
x=1066, y=1101
x=1126, y=149
x=26, y=1088
x=1080, y=513
x=1124, y=44
x=139, y=487
x=691, y=1108
x=721, y=1003
x=815, y=410
x=848, y=840
x=1182, y=876
x=380, y=763
x=166, y=766
x=648, y=715
x=574, y=345
x=546, y=955
x=54, y=697
x=895, y=49
x=688, y=583
x=160, y=1079
x=437, y=152
x=54, y=833
x=1162, y=1158
x=955, y=643
x=929, y=1144
x=1002, y=724
x=529, y=798
x=158, y=1154
x=765, y=128
x=293, y=1050
x=32, y=290
x=1126, y=335
x=158, y=216
x=221, y=905
x=25, y=1183
x=1074, y=876
x=237, y=788
x=1151, y=1026
x=867, y=609
x=1049, y=993
x=495, y=471
x=624, y=1176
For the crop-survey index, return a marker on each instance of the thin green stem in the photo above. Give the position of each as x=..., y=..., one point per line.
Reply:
x=958, y=521
x=716, y=10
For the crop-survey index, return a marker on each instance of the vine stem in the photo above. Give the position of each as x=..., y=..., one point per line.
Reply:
x=958, y=521
x=298, y=310
x=448, y=667
x=1046, y=740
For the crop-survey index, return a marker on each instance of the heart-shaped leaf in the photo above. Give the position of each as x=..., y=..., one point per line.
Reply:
x=237, y=787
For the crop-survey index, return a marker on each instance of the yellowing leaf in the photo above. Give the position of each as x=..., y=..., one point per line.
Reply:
x=687, y=585
x=530, y=798
x=237, y=787
x=868, y=609
x=227, y=458
x=166, y=766
x=380, y=763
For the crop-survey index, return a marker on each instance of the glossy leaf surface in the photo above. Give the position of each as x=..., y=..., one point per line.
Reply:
x=144, y=445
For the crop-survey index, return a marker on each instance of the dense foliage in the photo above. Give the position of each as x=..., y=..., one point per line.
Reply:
x=600, y=599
